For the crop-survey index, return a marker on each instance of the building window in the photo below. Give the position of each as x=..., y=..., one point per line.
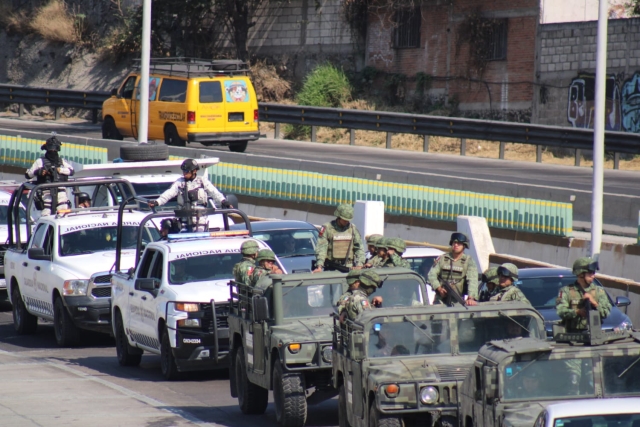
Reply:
x=497, y=41
x=407, y=31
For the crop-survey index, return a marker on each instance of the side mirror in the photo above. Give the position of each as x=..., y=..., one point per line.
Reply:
x=147, y=285
x=38, y=254
x=490, y=383
x=260, y=307
x=356, y=346
x=622, y=301
x=114, y=92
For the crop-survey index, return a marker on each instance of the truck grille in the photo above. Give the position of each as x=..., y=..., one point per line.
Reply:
x=222, y=316
x=453, y=373
x=101, y=292
x=102, y=279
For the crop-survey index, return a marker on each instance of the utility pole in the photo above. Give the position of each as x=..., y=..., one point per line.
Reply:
x=145, y=59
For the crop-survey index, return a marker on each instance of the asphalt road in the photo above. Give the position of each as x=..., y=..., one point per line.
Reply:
x=199, y=397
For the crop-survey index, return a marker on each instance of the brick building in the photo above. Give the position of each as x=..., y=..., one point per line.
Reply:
x=428, y=39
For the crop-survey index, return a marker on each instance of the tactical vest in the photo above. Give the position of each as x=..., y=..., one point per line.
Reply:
x=358, y=302
x=501, y=293
x=456, y=273
x=342, y=244
x=575, y=297
x=193, y=197
x=48, y=165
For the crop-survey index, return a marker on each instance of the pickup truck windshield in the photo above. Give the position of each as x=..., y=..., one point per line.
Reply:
x=100, y=239
x=202, y=268
x=310, y=301
x=621, y=375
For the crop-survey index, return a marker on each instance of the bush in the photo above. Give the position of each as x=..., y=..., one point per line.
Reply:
x=54, y=22
x=326, y=86
x=270, y=87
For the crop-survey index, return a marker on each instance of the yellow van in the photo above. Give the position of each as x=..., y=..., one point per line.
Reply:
x=190, y=100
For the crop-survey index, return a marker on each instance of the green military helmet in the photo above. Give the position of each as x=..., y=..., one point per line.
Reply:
x=383, y=243
x=491, y=276
x=398, y=244
x=344, y=211
x=459, y=237
x=369, y=279
x=266, y=255
x=508, y=270
x=353, y=276
x=372, y=239
x=250, y=247
x=585, y=265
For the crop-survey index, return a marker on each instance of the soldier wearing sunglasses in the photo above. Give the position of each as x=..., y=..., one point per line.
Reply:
x=456, y=268
x=507, y=275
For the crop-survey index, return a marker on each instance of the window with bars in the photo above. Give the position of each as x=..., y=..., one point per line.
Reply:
x=407, y=30
x=497, y=41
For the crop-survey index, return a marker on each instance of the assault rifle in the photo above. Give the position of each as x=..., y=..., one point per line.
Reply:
x=593, y=335
x=452, y=294
x=335, y=266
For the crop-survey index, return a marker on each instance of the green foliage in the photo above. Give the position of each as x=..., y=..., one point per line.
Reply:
x=476, y=31
x=423, y=82
x=325, y=86
x=125, y=38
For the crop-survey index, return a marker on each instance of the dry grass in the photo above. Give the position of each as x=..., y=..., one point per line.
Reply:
x=54, y=22
x=14, y=21
x=270, y=87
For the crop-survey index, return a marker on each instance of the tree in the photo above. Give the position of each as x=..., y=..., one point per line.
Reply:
x=239, y=17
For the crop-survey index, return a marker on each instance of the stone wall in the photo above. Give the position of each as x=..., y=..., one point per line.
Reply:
x=565, y=72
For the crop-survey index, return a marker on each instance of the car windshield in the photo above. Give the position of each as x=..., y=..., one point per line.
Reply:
x=393, y=336
x=548, y=379
x=400, y=292
x=610, y=420
x=290, y=243
x=100, y=239
x=621, y=375
x=203, y=268
x=4, y=213
x=310, y=301
x=473, y=333
x=422, y=265
x=543, y=291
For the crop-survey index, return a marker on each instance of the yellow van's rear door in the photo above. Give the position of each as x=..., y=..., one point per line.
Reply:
x=211, y=114
x=240, y=105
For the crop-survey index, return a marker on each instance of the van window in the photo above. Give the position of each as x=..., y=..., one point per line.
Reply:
x=173, y=90
x=210, y=92
x=236, y=91
x=127, y=88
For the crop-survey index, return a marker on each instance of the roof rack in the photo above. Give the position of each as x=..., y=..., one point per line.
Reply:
x=187, y=67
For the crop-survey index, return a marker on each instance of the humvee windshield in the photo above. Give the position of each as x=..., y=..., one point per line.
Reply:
x=400, y=292
x=474, y=333
x=621, y=375
x=310, y=301
x=548, y=379
x=400, y=336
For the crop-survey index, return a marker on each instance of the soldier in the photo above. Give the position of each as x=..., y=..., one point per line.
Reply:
x=50, y=168
x=366, y=283
x=191, y=191
x=381, y=256
x=266, y=260
x=84, y=201
x=508, y=274
x=339, y=243
x=491, y=280
x=372, y=239
x=395, y=249
x=570, y=304
x=169, y=226
x=242, y=270
x=458, y=269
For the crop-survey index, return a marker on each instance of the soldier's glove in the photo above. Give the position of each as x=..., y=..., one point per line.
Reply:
x=153, y=204
x=226, y=205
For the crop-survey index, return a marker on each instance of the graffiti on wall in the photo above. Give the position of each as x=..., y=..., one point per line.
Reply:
x=622, y=102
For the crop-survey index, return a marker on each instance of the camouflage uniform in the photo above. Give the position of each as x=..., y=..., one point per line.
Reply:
x=242, y=270
x=371, y=241
x=462, y=272
x=395, y=259
x=489, y=276
x=352, y=277
x=510, y=292
x=358, y=301
x=340, y=244
x=259, y=271
x=378, y=261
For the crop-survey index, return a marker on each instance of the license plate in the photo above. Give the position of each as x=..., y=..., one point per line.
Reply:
x=236, y=117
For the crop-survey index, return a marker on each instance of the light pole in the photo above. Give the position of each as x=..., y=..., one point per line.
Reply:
x=143, y=105
x=598, y=130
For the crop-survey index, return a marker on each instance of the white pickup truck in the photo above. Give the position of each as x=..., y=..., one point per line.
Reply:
x=63, y=273
x=5, y=196
x=175, y=302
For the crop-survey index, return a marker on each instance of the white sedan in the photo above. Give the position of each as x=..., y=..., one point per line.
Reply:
x=421, y=259
x=619, y=412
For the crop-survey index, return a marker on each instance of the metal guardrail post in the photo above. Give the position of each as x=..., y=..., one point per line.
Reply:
x=578, y=156
x=425, y=144
x=538, y=153
x=463, y=146
x=352, y=137
x=21, y=110
x=389, y=136
x=276, y=131
x=501, y=154
x=56, y=113
x=94, y=116
x=314, y=133
x=616, y=160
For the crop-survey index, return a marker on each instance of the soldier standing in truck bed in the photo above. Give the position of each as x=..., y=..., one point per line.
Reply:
x=456, y=268
x=339, y=243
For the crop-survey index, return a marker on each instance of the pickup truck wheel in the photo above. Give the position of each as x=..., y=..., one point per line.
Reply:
x=110, y=131
x=24, y=322
x=378, y=420
x=238, y=147
x=289, y=398
x=252, y=398
x=171, y=136
x=67, y=334
x=127, y=355
x=167, y=361
x=343, y=417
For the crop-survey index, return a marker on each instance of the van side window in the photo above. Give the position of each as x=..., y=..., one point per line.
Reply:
x=127, y=88
x=173, y=90
x=210, y=92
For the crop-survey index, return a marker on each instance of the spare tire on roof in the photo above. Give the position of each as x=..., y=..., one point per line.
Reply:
x=144, y=152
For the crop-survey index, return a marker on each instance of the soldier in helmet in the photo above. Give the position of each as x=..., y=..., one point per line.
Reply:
x=339, y=243
x=242, y=270
x=570, y=304
x=372, y=239
x=169, y=226
x=458, y=269
x=84, y=201
x=381, y=256
x=192, y=191
x=508, y=274
x=266, y=260
x=491, y=280
x=364, y=283
x=50, y=168
x=395, y=249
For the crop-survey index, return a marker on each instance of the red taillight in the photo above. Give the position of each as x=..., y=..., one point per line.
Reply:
x=191, y=117
x=255, y=115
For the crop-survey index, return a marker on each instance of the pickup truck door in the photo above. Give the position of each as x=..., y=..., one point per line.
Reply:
x=136, y=307
x=38, y=277
x=149, y=300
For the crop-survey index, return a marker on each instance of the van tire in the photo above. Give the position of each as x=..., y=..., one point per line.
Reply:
x=144, y=152
x=110, y=131
x=238, y=147
x=24, y=322
x=171, y=136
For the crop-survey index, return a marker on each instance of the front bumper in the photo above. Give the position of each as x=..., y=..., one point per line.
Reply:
x=90, y=313
x=223, y=137
x=197, y=351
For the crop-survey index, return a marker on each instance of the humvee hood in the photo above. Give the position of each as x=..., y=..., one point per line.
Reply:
x=313, y=329
x=522, y=414
x=419, y=369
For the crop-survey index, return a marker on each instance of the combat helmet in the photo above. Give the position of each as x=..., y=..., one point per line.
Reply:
x=372, y=239
x=250, y=247
x=461, y=238
x=491, y=276
x=383, y=243
x=397, y=244
x=344, y=211
x=83, y=197
x=369, y=279
x=189, y=165
x=266, y=255
x=508, y=270
x=353, y=276
x=52, y=143
x=585, y=265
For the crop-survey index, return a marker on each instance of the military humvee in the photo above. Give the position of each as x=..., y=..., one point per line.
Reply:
x=512, y=381
x=405, y=365
x=280, y=333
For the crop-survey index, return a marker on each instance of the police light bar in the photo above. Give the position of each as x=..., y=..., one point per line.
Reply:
x=204, y=234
